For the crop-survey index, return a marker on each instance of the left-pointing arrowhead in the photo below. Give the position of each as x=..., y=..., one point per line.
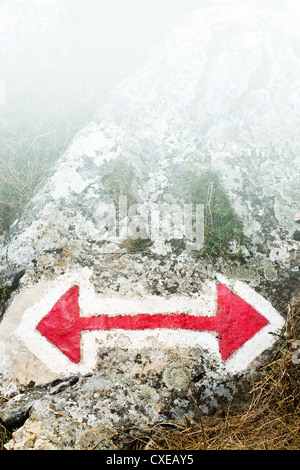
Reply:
x=61, y=326
x=237, y=321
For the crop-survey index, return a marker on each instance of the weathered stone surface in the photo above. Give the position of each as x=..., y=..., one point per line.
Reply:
x=221, y=94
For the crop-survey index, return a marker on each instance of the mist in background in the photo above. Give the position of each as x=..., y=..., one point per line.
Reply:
x=63, y=52
x=77, y=50
x=59, y=61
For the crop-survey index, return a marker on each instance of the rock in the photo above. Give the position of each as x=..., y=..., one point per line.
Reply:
x=205, y=135
x=297, y=218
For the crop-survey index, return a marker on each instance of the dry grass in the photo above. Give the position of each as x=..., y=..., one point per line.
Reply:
x=138, y=245
x=270, y=422
x=4, y=436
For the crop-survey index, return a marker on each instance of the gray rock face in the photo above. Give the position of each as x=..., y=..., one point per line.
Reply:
x=221, y=94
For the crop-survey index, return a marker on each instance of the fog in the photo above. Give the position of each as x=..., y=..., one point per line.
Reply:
x=78, y=49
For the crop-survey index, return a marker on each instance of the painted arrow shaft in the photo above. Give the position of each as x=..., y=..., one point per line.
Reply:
x=145, y=321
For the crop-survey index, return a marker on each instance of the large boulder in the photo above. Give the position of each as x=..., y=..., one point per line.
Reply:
x=151, y=269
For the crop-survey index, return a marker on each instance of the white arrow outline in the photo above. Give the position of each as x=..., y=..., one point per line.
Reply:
x=137, y=340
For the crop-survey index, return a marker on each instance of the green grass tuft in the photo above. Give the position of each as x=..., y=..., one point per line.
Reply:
x=222, y=225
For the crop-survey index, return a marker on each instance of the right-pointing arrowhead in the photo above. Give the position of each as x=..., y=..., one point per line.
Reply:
x=237, y=321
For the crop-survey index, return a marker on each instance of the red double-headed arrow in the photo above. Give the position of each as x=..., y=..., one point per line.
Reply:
x=235, y=323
